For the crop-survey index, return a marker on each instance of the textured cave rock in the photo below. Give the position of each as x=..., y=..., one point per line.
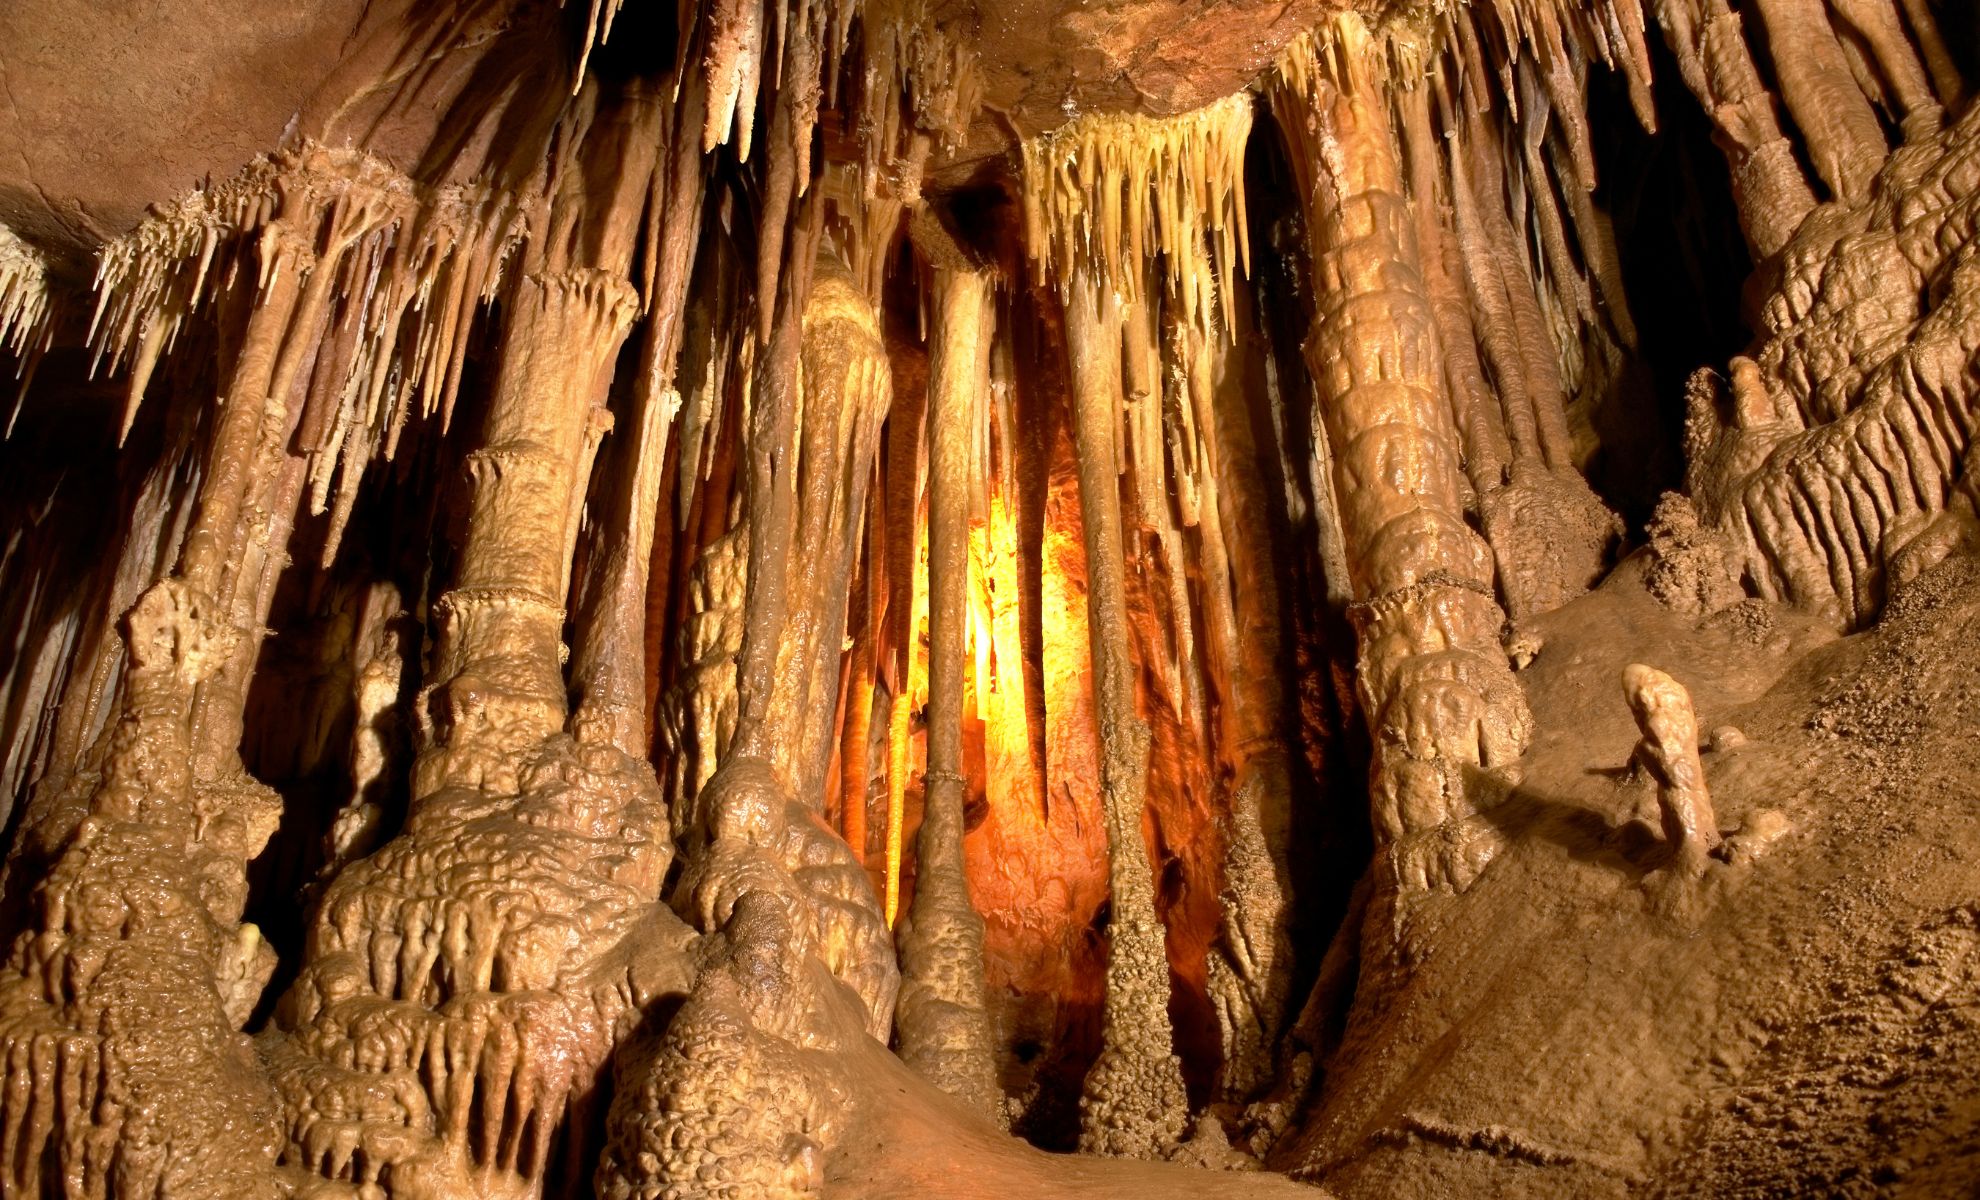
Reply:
x=861, y=598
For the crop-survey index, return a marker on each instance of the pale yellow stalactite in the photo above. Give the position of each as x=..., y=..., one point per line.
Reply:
x=1109, y=192
x=24, y=308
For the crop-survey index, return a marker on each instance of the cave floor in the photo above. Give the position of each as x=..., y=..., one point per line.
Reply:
x=914, y=1143
x=1581, y=1021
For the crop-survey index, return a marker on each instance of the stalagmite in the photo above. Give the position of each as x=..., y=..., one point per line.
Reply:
x=1434, y=683
x=1834, y=483
x=1669, y=752
x=121, y=1003
x=943, y=1031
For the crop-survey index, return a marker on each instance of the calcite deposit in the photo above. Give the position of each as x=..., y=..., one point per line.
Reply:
x=947, y=598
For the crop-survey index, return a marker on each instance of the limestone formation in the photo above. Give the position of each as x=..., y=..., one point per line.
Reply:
x=944, y=1031
x=1669, y=753
x=817, y=599
x=1436, y=688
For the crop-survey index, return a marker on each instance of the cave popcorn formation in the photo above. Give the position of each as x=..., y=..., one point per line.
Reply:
x=751, y=599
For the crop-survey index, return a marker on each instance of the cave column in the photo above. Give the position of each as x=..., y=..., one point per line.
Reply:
x=605, y=669
x=497, y=681
x=1134, y=1102
x=944, y=1032
x=498, y=646
x=1433, y=679
x=822, y=392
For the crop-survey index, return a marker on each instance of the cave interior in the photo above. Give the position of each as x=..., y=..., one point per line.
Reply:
x=978, y=598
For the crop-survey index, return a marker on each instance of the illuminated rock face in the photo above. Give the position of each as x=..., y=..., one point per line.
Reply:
x=778, y=599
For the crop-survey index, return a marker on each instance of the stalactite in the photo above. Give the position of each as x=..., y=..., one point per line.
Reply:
x=1844, y=141
x=943, y=1031
x=1433, y=681
x=1878, y=24
x=1549, y=534
x=432, y=255
x=697, y=713
x=1769, y=190
x=1946, y=79
x=900, y=716
x=24, y=310
x=1480, y=423
x=856, y=747
x=847, y=392
x=1005, y=680
x=613, y=683
x=1146, y=453
x=1108, y=193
